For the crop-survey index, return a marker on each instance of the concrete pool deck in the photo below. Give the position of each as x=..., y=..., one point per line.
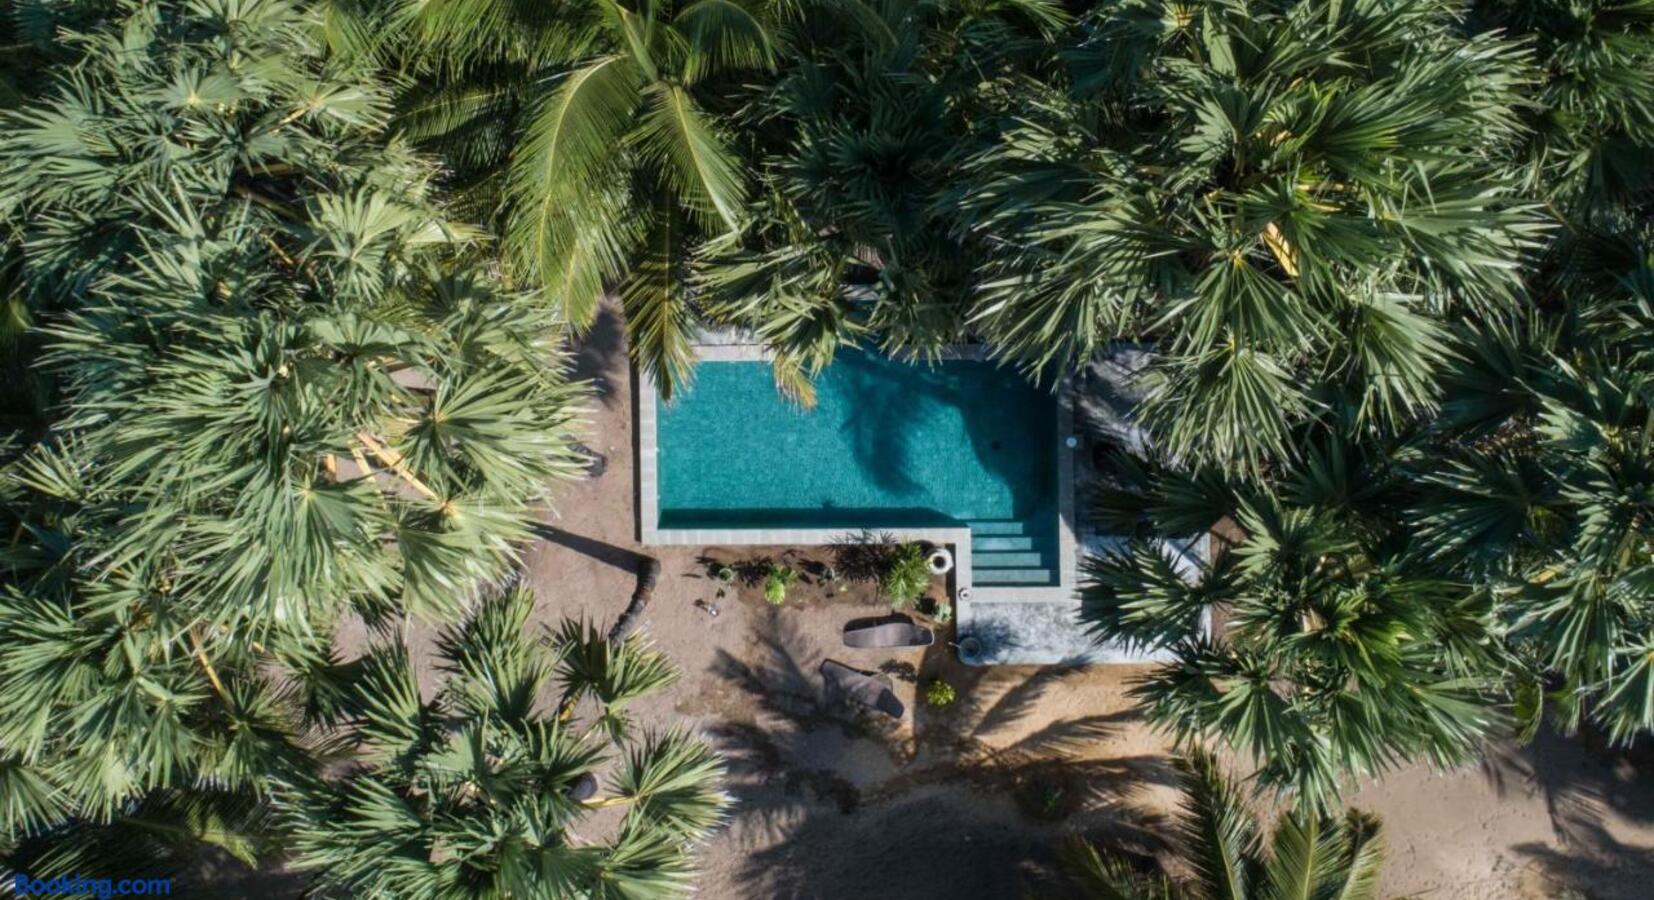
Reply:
x=1002, y=625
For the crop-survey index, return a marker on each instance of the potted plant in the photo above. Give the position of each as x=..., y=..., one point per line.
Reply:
x=940, y=560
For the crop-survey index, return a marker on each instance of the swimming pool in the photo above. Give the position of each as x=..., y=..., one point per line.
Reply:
x=887, y=445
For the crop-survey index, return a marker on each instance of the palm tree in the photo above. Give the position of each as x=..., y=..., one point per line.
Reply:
x=484, y=792
x=124, y=748
x=586, y=121
x=1287, y=196
x=282, y=391
x=1592, y=127
x=1338, y=651
x=286, y=386
x=1222, y=844
x=1541, y=487
x=857, y=136
x=132, y=734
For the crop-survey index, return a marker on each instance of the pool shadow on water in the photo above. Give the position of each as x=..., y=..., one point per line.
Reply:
x=996, y=405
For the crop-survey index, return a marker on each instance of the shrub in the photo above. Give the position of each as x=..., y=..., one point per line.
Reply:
x=906, y=575
x=940, y=693
x=777, y=579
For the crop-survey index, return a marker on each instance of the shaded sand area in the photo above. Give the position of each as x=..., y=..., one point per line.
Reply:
x=970, y=801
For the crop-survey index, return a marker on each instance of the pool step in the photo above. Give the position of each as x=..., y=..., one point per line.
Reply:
x=1001, y=559
x=992, y=543
x=1004, y=554
x=996, y=526
x=1011, y=576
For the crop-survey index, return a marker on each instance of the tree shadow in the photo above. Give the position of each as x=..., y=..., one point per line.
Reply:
x=845, y=806
x=1009, y=423
x=784, y=683
x=1583, y=782
x=1595, y=865
x=215, y=874
x=1578, y=777
x=603, y=552
x=600, y=351
x=944, y=843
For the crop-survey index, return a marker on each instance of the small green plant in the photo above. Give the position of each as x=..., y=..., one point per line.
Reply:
x=777, y=579
x=944, y=612
x=906, y=574
x=940, y=693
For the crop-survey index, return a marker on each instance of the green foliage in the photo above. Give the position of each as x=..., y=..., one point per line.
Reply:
x=777, y=580
x=1551, y=505
x=1592, y=125
x=1223, y=844
x=285, y=386
x=611, y=675
x=905, y=575
x=113, y=718
x=1340, y=654
x=586, y=126
x=279, y=386
x=476, y=791
x=1289, y=197
x=260, y=375
x=846, y=238
x=940, y=693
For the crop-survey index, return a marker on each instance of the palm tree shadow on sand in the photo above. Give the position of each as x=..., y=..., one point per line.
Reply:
x=844, y=804
x=1583, y=782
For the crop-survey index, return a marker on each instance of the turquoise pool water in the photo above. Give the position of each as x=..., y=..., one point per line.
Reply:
x=887, y=444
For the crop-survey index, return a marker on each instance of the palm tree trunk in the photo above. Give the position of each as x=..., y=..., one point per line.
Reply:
x=648, y=573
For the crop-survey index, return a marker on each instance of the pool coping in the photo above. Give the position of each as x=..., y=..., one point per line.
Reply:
x=958, y=537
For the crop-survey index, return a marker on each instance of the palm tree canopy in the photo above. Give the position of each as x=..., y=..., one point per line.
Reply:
x=277, y=394
x=1339, y=654
x=474, y=793
x=585, y=125
x=1544, y=491
x=1592, y=127
x=280, y=393
x=858, y=139
x=1224, y=845
x=1289, y=197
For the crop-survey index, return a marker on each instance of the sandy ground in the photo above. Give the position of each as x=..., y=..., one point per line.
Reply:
x=971, y=800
